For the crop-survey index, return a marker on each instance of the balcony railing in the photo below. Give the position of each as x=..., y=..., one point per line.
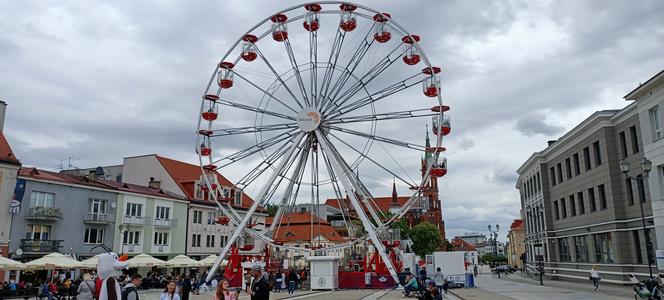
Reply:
x=97, y=218
x=44, y=213
x=41, y=245
x=136, y=220
x=132, y=248
x=166, y=222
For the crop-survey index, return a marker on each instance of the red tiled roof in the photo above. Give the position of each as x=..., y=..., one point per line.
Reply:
x=383, y=203
x=517, y=224
x=34, y=173
x=297, y=218
x=459, y=244
x=139, y=189
x=6, y=153
x=185, y=175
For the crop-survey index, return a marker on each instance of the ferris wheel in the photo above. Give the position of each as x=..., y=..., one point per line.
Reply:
x=320, y=101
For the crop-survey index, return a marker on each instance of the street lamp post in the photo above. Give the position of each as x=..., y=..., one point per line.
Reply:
x=494, y=234
x=646, y=167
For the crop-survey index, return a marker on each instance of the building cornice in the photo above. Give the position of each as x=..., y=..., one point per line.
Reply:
x=645, y=87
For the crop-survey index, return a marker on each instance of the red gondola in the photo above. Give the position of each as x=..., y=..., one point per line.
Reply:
x=223, y=220
x=382, y=34
x=411, y=56
x=225, y=75
x=348, y=22
x=248, y=47
x=209, y=115
x=279, y=29
x=443, y=128
x=205, y=150
x=439, y=169
x=431, y=85
x=311, y=22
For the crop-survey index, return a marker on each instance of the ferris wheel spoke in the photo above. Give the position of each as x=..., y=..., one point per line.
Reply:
x=246, y=152
x=288, y=191
x=332, y=64
x=337, y=192
x=262, y=166
x=252, y=129
x=234, y=104
x=281, y=80
x=377, y=138
x=313, y=65
x=410, y=184
x=369, y=76
x=416, y=113
x=296, y=69
x=266, y=92
x=384, y=93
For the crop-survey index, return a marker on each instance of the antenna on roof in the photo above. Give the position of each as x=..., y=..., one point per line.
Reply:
x=70, y=159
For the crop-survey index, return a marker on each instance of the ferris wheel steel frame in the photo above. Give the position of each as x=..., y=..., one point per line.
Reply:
x=332, y=102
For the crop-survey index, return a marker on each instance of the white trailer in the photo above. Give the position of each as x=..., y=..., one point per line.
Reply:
x=451, y=264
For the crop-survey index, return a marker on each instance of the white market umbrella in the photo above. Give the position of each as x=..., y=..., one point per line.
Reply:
x=91, y=263
x=209, y=261
x=53, y=261
x=183, y=261
x=7, y=264
x=145, y=260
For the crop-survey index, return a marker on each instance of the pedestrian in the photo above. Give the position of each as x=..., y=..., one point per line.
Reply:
x=438, y=278
x=475, y=272
x=278, y=280
x=86, y=290
x=223, y=293
x=594, y=276
x=130, y=291
x=247, y=281
x=186, y=287
x=169, y=292
x=411, y=285
x=292, y=279
x=260, y=288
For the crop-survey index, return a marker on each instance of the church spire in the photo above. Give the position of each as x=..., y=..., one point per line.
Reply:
x=427, y=155
x=394, y=192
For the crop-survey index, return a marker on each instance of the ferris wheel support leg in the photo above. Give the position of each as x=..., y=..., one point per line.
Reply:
x=263, y=193
x=368, y=226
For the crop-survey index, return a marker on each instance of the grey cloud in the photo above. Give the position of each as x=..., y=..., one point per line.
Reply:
x=535, y=123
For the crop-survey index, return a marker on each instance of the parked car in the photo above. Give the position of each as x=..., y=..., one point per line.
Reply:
x=504, y=269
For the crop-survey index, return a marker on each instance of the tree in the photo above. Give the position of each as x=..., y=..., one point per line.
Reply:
x=271, y=210
x=426, y=238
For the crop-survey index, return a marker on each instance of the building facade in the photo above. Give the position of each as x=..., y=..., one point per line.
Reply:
x=516, y=247
x=9, y=166
x=62, y=213
x=649, y=99
x=579, y=208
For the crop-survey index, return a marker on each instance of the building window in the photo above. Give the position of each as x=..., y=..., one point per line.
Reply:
x=134, y=210
x=655, y=123
x=634, y=138
x=559, y=170
x=591, y=199
x=640, y=188
x=556, y=210
x=603, y=250
x=238, y=197
x=195, y=240
x=131, y=237
x=37, y=232
x=582, y=205
x=572, y=205
x=580, y=249
x=602, y=196
x=198, y=217
x=161, y=238
x=637, y=246
x=623, y=143
x=598, y=153
x=163, y=213
x=630, y=193
x=563, y=207
x=539, y=182
x=577, y=166
x=649, y=249
x=209, y=241
x=568, y=168
x=586, y=157
x=97, y=206
x=553, y=176
x=563, y=249
x=93, y=236
x=223, y=240
x=41, y=199
x=210, y=218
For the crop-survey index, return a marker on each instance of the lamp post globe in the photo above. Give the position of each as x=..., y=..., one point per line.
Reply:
x=646, y=165
x=624, y=166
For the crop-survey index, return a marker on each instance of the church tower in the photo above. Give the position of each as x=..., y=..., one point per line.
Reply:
x=432, y=211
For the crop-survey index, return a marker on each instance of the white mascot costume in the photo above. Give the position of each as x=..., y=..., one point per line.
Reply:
x=109, y=268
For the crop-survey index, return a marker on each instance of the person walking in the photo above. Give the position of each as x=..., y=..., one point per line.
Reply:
x=185, y=290
x=438, y=278
x=292, y=279
x=86, y=290
x=594, y=276
x=130, y=291
x=260, y=288
x=169, y=292
x=223, y=293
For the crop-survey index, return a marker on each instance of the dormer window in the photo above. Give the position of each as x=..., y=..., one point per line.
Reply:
x=238, y=197
x=290, y=234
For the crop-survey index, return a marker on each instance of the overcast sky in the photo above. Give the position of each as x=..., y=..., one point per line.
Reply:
x=99, y=81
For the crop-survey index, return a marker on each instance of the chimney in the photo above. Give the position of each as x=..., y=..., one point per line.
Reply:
x=3, y=108
x=154, y=184
x=92, y=175
x=550, y=142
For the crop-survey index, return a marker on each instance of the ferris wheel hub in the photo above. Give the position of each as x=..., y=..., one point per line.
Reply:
x=308, y=119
